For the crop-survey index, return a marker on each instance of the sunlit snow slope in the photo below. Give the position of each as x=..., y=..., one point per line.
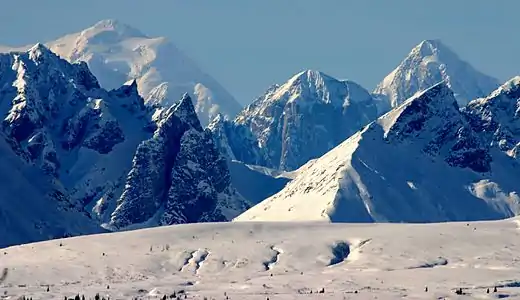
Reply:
x=275, y=260
x=421, y=162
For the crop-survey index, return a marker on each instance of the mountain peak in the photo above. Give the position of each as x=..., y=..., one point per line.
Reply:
x=427, y=64
x=185, y=111
x=39, y=50
x=411, y=116
x=309, y=76
x=431, y=45
x=113, y=26
x=434, y=50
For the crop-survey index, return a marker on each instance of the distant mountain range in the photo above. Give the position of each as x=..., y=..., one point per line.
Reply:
x=91, y=159
x=424, y=161
x=117, y=53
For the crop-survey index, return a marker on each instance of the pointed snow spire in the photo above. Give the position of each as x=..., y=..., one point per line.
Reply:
x=432, y=47
x=85, y=77
x=185, y=111
x=130, y=87
x=428, y=63
x=309, y=76
x=39, y=52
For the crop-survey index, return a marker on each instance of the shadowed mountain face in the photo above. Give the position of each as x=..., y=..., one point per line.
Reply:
x=105, y=153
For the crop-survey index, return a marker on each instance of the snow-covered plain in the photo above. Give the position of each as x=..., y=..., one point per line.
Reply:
x=276, y=261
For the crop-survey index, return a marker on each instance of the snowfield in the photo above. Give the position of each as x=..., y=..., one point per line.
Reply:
x=275, y=260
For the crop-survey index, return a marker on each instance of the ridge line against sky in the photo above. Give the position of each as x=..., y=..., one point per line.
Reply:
x=247, y=46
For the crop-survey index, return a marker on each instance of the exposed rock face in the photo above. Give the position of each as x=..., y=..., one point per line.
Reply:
x=296, y=122
x=434, y=119
x=497, y=117
x=177, y=176
x=118, y=160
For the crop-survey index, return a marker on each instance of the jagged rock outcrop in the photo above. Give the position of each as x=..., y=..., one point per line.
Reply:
x=177, y=176
x=102, y=145
x=497, y=117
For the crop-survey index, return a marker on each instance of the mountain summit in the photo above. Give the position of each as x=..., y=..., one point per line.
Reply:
x=429, y=63
x=297, y=121
x=116, y=52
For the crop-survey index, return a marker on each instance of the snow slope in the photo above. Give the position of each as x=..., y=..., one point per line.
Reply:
x=275, y=261
x=429, y=63
x=33, y=207
x=116, y=53
x=421, y=162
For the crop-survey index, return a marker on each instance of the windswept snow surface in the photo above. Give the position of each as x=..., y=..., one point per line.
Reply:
x=275, y=261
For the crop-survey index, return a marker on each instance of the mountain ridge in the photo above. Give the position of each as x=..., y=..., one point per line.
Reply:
x=91, y=141
x=116, y=53
x=430, y=149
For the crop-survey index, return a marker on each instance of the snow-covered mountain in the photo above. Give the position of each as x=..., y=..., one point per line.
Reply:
x=177, y=176
x=421, y=162
x=124, y=162
x=497, y=117
x=295, y=122
x=429, y=63
x=117, y=53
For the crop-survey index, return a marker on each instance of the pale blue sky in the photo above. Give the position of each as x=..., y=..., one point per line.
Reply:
x=248, y=45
